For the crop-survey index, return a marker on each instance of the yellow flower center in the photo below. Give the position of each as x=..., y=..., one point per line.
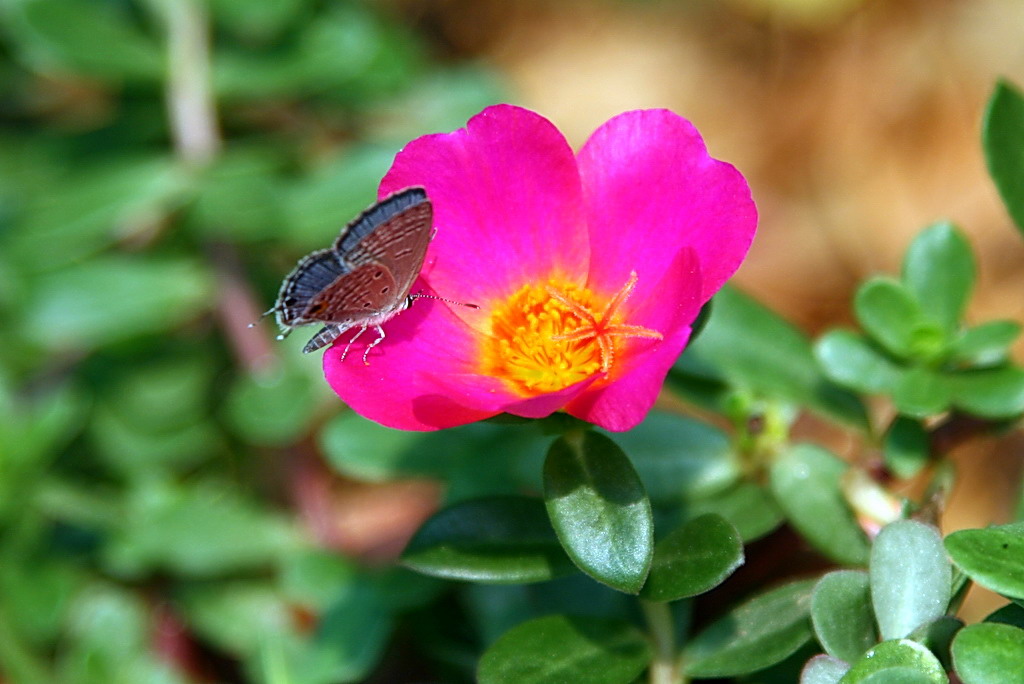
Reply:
x=547, y=337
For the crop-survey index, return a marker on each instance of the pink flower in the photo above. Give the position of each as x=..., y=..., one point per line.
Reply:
x=588, y=270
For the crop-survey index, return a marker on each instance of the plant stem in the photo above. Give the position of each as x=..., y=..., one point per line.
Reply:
x=665, y=665
x=190, y=100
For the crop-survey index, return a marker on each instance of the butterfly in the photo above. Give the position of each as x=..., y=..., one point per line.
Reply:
x=364, y=279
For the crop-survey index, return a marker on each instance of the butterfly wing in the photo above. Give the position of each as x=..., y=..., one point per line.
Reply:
x=367, y=293
x=308, y=279
x=394, y=234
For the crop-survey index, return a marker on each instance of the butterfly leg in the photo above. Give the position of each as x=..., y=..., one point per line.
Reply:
x=324, y=337
x=380, y=332
x=354, y=338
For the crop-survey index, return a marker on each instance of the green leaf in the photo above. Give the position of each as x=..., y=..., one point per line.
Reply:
x=899, y=662
x=1003, y=140
x=599, y=509
x=37, y=595
x=232, y=615
x=113, y=298
x=906, y=447
x=92, y=38
x=983, y=345
x=806, y=483
x=256, y=20
x=360, y=448
x=921, y=392
x=1010, y=614
x=937, y=636
x=92, y=207
x=204, y=530
x=850, y=360
x=994, y=393
x=823, y=669
x=747, y=505
x=988, y=652
x=693, y=559
x=350, y=637
x=841, y=614
x=88, y=654
x=938, y=269
x=273, y=407
x=993, y=557
x=762, y=631
x=557, y=648
x=348, y=54
x=889, y=314
x=239, y=197
x=496, y=540
x=910, y=577
x=678, y=457
x=754, y=349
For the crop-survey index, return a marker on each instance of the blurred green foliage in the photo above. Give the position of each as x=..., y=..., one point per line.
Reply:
x=146, y=532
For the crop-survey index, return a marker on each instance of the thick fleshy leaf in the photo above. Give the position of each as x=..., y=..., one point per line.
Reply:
x=983, y=345
x=841, y=614
x=910, y=577
x=985, y=653
x=678, y=457
x=761, y=632
x=993, y=557
x=1003, y=138
x=889, y=314
x=747, y=505
x=805, y=482
x=693, y=559
x=752, y=347
x=850, y=360
x=823, y=669
x=498, y=540
x=990, y=393
x=905, y=447
x=921, y=392
x=557, y=648
x=1010, y=614
x=900, y=662
x=937, y=636
x=938, y=269
x=599, y=509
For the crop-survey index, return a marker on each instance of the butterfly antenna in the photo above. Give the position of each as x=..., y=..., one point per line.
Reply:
x=262, y=316
x=442, y=299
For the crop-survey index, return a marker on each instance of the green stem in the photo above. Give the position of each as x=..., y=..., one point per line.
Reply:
x=665, y=667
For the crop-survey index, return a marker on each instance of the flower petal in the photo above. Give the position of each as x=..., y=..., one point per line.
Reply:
x=635, y=381
x=507, y=205
x=649, y=184
x=393, y=389
x=492, y=395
